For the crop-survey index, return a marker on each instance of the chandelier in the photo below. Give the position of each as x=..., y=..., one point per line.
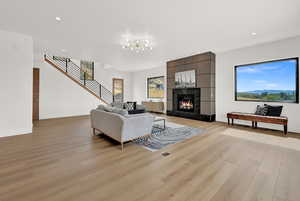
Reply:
x=137, y=45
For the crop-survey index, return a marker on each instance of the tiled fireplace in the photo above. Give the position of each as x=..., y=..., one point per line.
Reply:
x=198, y=102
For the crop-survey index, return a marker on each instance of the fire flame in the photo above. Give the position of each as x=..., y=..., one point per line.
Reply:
x=186, y=104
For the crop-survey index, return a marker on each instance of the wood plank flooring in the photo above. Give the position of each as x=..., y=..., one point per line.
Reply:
x=62, y=161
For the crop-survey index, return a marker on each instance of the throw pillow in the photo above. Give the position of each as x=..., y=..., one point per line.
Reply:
x=274, y=110
x=130, y=106
x=261, y=110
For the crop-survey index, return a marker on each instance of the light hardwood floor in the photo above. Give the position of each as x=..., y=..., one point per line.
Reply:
x=61, y=160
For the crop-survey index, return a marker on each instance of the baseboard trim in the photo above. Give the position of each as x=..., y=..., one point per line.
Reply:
x=17, y=132
x=65, y=117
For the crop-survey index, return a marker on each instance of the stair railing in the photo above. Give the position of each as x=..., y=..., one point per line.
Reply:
x=74, y=72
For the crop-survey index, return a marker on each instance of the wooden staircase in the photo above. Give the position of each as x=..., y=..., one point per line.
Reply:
x=73, y=71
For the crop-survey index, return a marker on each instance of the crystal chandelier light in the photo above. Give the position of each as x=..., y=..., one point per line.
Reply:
x=137, y=45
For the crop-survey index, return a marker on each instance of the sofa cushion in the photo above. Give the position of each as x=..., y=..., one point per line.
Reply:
x=117, y=105
x=120, y=111
x=100, y=107
x=140, y=107
x=136, y=111
x=108, y=108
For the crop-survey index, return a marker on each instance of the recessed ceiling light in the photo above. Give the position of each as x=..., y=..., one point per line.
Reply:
x=58, y=19
x=253, y=33
x=63, y=50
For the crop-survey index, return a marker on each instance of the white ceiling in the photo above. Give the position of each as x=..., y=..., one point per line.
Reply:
x=92, y=29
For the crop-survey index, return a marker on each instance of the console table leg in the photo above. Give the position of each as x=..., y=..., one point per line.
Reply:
x=228, y=121
x=252, y=124
x=231, y=121
x=255, y=124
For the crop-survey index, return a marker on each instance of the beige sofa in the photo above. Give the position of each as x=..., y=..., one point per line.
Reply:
x=122, y=128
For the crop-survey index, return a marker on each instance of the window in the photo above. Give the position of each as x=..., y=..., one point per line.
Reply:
x=118, y=90
x=155, y=87
x=271, y=81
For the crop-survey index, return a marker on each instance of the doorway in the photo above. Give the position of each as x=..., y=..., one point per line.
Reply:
x=36, y=94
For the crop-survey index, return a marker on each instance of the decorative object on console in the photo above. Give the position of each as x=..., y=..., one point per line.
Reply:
x=185, y=79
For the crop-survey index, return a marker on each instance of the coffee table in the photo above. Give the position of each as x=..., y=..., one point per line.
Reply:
x=160, y=119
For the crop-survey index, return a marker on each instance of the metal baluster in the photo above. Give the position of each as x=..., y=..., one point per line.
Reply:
x=84, y=78
x=66, y=65
x=100, y=95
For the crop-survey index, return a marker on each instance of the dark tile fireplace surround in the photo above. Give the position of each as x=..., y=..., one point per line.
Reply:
x=195, y=103
x=186, y=101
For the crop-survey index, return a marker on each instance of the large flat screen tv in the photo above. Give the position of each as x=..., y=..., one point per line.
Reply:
x=270, y=81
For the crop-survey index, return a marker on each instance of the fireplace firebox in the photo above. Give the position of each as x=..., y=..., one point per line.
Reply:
x=185, y=102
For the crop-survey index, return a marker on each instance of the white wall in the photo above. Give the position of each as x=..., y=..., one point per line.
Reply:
x=62, y=97
x=225, y=78
x=140, y=83
x=16, y=61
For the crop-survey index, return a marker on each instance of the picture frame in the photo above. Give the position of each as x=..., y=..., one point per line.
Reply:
x=156, y=87
x=185, y=79
x=87, y=68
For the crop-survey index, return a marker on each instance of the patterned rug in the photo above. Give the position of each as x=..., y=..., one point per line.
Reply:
x=172, y=134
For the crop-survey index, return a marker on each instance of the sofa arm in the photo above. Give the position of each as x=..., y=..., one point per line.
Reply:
x=109, y=123
x=136, y=126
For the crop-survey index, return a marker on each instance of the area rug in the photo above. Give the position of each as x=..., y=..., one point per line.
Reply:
x=172, y=134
